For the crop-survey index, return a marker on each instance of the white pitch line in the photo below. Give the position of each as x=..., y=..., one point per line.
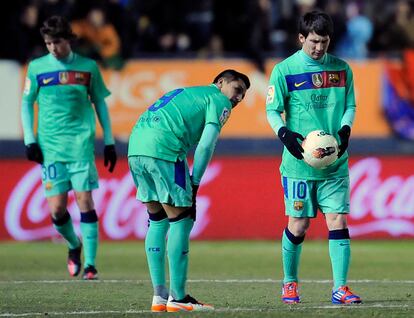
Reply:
x=225, y=281
x=297, y=307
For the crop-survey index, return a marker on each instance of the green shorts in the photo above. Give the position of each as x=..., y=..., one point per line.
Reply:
x=60, y=177
x=303, y=198
x=161, y=181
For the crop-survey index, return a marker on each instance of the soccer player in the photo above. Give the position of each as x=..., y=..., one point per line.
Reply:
x=315, y=90
x=158, y=146
x=65, y=85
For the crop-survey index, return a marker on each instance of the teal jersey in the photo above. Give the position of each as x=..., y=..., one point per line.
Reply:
x=313, y=94
x=65, y=91
x=175, y=122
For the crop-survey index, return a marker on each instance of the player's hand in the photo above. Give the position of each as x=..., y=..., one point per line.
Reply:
x=290, y=140
x=110, y=157
x=34, y=153
x=344, y=134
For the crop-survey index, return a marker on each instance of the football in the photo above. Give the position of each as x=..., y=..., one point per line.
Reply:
x=320, y=149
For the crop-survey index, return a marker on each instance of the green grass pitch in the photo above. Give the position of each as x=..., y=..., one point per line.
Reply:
x=241, y=278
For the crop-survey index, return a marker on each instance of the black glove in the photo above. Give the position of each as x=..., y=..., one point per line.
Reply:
x=34, y=153
x=110, y=157
x=194, y=206
x=344, y=134
x=290, y=140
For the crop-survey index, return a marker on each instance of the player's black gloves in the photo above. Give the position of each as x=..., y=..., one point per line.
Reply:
x=110, y=157
x=34, y=153
x=344, y=134
x=290, y=140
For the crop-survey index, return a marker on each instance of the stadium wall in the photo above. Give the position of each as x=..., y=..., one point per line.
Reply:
x=240, y=198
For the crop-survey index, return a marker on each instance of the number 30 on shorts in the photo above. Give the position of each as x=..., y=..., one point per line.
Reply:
x=49, y=172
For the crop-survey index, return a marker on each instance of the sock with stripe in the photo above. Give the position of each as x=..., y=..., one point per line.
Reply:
x=340, y=254
x=155, y=249
x=65, y=228
x=291, y=250
x=177, y=250
x=90, y=235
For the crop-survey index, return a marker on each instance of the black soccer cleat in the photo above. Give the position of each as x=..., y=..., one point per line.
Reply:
x=90, y=273
x=74, y=261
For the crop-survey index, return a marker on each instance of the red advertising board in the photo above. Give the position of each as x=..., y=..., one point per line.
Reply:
x=240, y=198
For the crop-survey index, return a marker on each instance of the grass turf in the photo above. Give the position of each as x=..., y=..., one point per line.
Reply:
x=241, y=278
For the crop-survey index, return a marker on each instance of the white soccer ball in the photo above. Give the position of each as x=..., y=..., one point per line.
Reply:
x=320, y=149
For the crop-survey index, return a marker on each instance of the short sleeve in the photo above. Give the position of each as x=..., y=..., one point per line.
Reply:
x=30, y=86
x=350, y=94
x=277, y=91
x=98, y=90
x=218, y=110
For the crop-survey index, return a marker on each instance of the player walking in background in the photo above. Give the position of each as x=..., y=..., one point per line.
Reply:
x=158, y=146
x=315, y=90
x=64, y=84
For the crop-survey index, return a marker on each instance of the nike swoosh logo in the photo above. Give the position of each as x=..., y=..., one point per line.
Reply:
x=47, y=80
x=300, y=84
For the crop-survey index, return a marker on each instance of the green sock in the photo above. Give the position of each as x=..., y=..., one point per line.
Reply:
x=340, y=254
x=90, y=234
x=155, y=243
x=177, y=249
x=65, y=227
x=291, y=257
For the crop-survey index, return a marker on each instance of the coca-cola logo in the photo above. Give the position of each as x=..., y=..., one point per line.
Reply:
x=380, y=205
x=121, y=215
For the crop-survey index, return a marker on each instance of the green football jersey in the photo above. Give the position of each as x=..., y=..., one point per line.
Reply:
x=313, y=94
x=175, y=122
x=65, y=91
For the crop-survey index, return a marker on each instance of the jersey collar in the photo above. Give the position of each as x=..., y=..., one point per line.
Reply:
x=310, y=61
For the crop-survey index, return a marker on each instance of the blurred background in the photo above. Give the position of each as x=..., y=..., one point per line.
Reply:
x=145, y=48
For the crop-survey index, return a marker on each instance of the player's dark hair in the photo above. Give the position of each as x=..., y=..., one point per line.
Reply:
x=315, y=21
x=57, y=27
x=232, y=75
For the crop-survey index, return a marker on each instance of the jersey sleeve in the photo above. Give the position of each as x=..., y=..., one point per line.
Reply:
x=218, y=110
x=30, y=86
x=350, y=95
x=98, y=90
x=277, y=91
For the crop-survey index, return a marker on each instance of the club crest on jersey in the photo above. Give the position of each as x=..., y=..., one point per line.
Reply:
x=333, y=78
x=79, y=77
x=270, y=94
x=224, y=116
x=317, y=79
x=63, y=77
x=298, y=205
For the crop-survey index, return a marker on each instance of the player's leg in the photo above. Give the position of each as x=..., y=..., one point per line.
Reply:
x=155, y=249
x=334, y=203
x=142, y=169
x=300, y=208
x=56, y=185
x=89, y=227
x=181, y=222
x=84, y=179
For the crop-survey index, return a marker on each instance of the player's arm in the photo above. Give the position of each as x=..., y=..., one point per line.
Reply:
x=204, y=151
x=348, y=117
x=105, y=122
x=275, y=100
x=33, y=151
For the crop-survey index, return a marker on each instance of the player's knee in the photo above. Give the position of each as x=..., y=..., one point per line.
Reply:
x=336, y=221
x=190, y=212
x=157, y=216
